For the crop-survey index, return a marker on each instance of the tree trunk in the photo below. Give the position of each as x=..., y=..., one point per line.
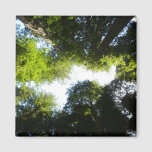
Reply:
x=114, y=30
x=99, y=124
x=37, y=29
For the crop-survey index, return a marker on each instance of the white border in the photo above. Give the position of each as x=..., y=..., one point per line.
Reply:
x=8, y=11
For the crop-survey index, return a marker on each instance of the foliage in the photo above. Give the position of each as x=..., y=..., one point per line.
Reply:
x=84, y=34
x=85, y=92
x=91, y=110
x=126, y=68
x=32, y=103
x=38, y=65
x=93, y=107
x=33, y=110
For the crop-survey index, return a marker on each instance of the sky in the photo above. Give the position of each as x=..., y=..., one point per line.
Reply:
x=59, y=89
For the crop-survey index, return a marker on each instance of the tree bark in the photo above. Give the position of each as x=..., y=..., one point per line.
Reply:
x=37, y=29
x=99, y=124
x=114, y=30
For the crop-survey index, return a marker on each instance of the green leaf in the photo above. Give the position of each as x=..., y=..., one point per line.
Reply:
x=70, y=17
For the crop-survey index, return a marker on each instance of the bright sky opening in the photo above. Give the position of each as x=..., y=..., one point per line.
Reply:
x=59, y=89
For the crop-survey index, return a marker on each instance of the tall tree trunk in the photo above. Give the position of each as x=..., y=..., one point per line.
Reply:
x=37, y=29
x=99, y=124
x=115, y=29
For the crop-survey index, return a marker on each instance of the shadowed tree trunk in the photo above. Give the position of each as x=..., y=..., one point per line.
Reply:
x=99, y=124
x=118, y=25
x=115, y=29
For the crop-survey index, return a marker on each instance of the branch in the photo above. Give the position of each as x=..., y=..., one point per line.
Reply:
x=37, y=29
x=114, y=30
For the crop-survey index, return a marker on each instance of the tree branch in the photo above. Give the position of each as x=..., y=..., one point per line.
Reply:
x=37, y=29
x=114, y=30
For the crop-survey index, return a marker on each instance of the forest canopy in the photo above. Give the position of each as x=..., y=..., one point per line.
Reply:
x=48, y=47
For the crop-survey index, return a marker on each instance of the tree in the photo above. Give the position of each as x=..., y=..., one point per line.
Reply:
x=38, y=65
x=129, y=102
x=94, y=110
x=115, y=29
x=124, y=94
x=96, y=42
x=33, y=111
x=34, y=25
x=84, y=38
x=81, y=102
